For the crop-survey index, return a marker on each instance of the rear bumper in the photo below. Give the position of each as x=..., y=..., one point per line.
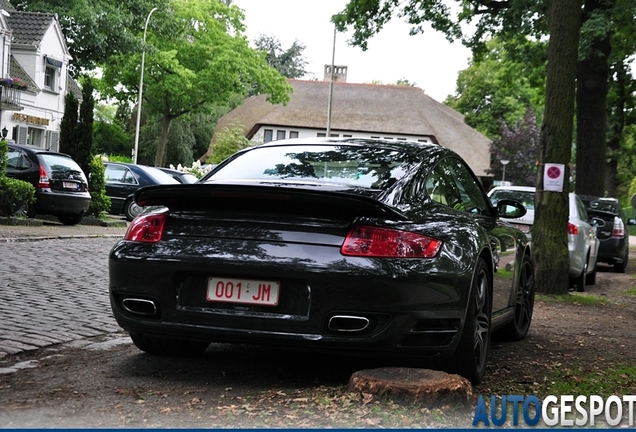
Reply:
x=409, y=307
x=613, y=250
x=56, y=203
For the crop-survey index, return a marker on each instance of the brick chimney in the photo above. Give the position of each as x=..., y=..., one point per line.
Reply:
x=339, y=73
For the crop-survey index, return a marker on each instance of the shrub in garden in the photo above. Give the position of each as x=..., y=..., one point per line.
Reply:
x=100, y=202
x=15, y=195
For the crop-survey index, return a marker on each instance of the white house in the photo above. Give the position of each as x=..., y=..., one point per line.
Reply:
x=360, y=110
x=34, y=53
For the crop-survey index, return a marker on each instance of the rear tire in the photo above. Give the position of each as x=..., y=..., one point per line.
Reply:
x=472, y=352
x=579, y=282
x=70, y=219
x=132, y=210
x=164, y=346
x=621, y=267
x=518, y=328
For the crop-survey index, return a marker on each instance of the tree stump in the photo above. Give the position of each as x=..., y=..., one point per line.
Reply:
x=412, y=384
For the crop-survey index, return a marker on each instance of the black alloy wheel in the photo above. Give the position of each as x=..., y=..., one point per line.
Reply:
x=472, y=353
x=518, y=328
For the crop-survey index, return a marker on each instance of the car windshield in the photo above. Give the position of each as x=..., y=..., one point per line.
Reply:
x=524, y=197
x=375, y=168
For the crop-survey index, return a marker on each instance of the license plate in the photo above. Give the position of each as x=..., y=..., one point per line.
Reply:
x=70, y=185
x=243, y=291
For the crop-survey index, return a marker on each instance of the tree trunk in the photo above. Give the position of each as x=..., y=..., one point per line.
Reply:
x=591, y=99
x=616, y=122
x=549, y=232
x=162, y=147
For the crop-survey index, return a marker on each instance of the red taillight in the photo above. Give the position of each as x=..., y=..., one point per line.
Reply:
x=573, y=229
x=147, y=228
x=43, y=183
x=619, y=227
x=388, y=243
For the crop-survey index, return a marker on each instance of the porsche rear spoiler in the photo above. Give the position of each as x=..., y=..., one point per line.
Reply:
x=265, y=198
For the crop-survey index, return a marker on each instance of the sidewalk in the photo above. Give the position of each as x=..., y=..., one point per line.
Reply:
x=44, y=228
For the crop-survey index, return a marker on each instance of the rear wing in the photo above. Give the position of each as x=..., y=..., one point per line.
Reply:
x=293, y=200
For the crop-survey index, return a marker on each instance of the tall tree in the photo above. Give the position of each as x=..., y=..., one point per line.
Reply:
x=501, y=85
x=84, y=133
x=519, y=144
x=290, y=62
x=550, y=251
x=199, y=59
x=96, y=29
x=68, y=124
x=591, y=97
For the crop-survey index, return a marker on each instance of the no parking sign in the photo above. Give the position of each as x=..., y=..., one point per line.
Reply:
x=553, y=177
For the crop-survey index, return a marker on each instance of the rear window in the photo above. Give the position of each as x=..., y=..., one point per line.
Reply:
x=604, y=206
x=365, y=167
x=160, y=177
x=61, y=167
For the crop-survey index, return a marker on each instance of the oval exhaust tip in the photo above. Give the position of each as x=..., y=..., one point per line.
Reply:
x=139, y=306
x=348, y=323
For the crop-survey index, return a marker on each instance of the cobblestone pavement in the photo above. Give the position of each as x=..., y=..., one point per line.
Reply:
x=54, y=285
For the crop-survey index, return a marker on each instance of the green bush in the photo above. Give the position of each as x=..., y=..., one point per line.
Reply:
x=14, y=195
x=100, y=202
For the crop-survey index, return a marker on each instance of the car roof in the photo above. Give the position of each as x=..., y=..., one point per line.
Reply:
x=36, y=149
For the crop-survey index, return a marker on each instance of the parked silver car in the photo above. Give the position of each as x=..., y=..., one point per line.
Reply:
x=583, y=243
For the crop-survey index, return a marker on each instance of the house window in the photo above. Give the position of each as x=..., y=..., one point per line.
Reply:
x=34, y=137
x=347, y=136
x=268, y=135
x=280, y=135
x=321, y=134
x=334, y=135
x=293, y=134
x=49, y=78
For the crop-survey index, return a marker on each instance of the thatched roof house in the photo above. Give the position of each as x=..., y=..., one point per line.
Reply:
x=366, y=110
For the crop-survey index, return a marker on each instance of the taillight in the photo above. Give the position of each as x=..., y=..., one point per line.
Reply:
x=619, y=227
x=573, y=229
x=43, y=183
x=370, y=241
x=147, y=228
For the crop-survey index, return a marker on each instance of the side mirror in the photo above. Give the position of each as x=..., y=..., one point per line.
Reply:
x=631, y=221
x=510, y=209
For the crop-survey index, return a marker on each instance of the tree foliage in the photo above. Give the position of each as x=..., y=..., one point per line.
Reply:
x=290, y=63
x=230, y=140
x=519, y=144
x=197, y=59
x=96, y=29
x=501, y=87
x=68, y=124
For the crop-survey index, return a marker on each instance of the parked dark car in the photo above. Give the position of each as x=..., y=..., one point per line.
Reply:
x=123, y=180
x=61, y=187
x=180, y=176
x=611, y=230
x=348, y=244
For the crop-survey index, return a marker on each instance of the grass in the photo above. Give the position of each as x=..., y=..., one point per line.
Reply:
x=587, y=381
x=572, y=298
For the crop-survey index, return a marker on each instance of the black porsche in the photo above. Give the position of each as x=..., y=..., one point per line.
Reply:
x=348, y=244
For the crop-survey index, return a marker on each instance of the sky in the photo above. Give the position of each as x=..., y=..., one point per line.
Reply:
x=428, y=60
